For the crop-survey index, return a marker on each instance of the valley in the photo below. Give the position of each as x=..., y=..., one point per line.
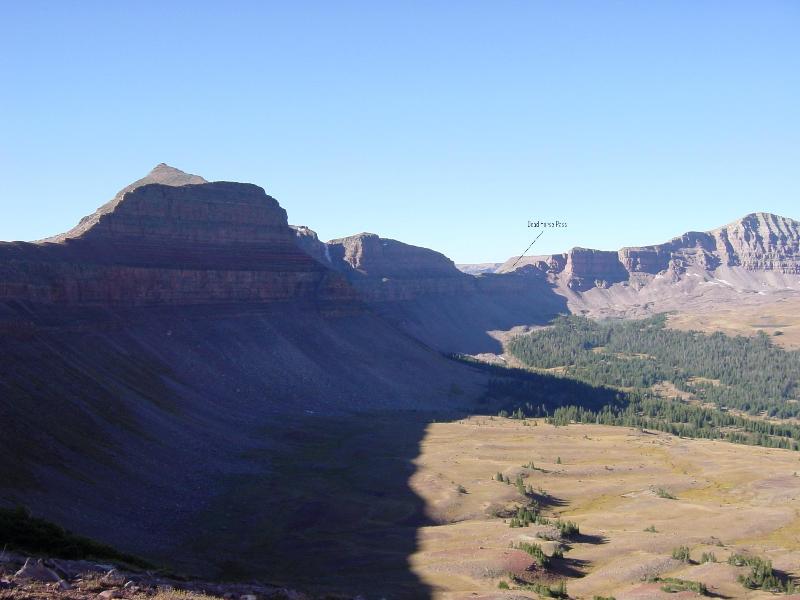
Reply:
x=190, y=380
x=454, y=301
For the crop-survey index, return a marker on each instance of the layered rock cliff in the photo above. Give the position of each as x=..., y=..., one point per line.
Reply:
x=172, y=238
x=757, y=242
x=373, y=256
x=760, y=241
x=422, y=292
x=385, y=270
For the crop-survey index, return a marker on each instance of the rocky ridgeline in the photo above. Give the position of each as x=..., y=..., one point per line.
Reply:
x=757, y=242
x=384, y=270
x=387, y=270
x=371, y=255
x=172, y=238
x=24, y=577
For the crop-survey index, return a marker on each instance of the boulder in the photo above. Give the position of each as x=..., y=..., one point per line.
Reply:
x=36, y=571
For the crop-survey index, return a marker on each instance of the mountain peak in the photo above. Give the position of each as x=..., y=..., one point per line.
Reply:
x=763, y=224
x=178, y=197
x=164, y=174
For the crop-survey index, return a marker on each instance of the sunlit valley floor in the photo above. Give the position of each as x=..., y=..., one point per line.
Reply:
x=728, y=499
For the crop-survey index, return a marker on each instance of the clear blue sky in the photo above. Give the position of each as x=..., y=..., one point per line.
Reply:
x=444, y=124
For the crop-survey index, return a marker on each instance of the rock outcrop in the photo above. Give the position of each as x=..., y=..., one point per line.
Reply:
x=757, y=242
x=760, y=241
x=587, y=268
x=755, y=259
x=373, y=256
x=172, y=239
x=310, y=243
x=384, y=270
x=423, y=293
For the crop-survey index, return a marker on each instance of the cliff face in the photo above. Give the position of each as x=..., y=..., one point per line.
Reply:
x=580, y=268
x=384, y=270
x=189, y=243
x=310, y=244
x=757, y=242
x=588, y=268
x=373, y=256
x=760, y=241
x=423, y=293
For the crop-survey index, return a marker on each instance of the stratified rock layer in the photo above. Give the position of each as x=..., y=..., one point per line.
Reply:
x=372, y=255
x=423, y=293
x=192, y=243
x=757, y=242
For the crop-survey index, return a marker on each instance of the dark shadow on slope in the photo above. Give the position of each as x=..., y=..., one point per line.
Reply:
x=585, y=538
x=537, y=394
x=167, y=434
x=547, y=500
x=461, y=322
x=326, y=507
x=570, y=567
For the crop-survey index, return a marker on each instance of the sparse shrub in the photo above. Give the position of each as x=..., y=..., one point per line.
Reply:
x=673, y=585
x=708, y=557
x=651, y=529
x=682, y=554
x=461, y=489
x=499, y=476
x=545, y=591
x=567, y=528
x=761, y=575
x=503, y=585
x=603, y=598
x=535, y=551
x=662, y=493
x=525, y=516
x=558, y=460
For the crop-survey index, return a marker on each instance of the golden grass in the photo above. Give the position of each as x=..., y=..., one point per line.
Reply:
x=746, y=497
x=780, y=316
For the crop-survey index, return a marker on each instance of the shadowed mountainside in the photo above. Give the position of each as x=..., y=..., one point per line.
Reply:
x=423, y=292
x=177, y=346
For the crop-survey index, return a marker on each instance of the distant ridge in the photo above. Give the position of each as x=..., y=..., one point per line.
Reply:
x=757, y=241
